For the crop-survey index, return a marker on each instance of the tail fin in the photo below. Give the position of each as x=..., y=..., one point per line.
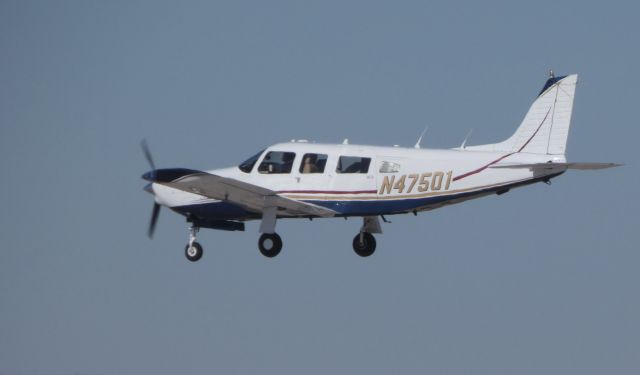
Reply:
x=545, y=128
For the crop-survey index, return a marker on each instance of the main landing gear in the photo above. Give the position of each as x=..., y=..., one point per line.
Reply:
x=270, y=244
x=364, y=243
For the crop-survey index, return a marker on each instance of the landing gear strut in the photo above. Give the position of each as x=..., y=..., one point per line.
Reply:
x=193, y=250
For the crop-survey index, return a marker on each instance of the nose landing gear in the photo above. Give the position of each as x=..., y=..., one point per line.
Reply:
x=193, y=250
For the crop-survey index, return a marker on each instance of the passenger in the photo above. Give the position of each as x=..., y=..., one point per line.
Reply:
x=309, y=164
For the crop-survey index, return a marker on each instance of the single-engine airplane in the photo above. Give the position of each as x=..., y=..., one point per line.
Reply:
x=300, y=179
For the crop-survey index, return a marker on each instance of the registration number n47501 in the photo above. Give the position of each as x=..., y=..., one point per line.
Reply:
x=406, y=183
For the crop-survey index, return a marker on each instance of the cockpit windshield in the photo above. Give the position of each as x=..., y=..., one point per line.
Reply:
x=247, y=165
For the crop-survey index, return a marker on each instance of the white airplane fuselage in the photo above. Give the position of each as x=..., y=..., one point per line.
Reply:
x=398, y=180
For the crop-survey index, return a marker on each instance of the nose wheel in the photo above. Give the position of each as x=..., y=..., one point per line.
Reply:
x=270, y=244
x=364, y=244
x=193, y=250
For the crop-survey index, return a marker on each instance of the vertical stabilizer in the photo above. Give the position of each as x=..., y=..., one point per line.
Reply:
x=545, y=128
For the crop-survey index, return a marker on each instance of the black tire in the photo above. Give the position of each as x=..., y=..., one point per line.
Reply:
x=196, y=252
x=270, y=244
x=365, y=248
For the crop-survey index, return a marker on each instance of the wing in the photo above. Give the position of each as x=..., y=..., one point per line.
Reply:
x=251, y=197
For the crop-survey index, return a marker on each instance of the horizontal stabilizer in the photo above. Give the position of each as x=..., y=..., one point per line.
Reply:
x=541, y=166
x=588, y=166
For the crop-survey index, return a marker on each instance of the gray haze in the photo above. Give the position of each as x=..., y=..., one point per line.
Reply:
x=543, y=280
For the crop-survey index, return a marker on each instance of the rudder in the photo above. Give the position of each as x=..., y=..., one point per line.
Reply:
x=545, y=128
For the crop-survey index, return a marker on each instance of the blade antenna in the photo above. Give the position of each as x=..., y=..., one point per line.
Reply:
x=464, y=143
x=417, y=145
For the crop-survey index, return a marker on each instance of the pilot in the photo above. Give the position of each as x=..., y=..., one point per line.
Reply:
x=287, y=162
x=309, y=164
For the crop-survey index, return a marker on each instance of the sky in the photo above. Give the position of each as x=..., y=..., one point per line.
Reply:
x=543, y=279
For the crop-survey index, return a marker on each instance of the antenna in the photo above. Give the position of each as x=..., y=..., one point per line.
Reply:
x=464, y=143
x=417, y=145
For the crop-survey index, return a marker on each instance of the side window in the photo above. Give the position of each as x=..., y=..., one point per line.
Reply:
x=248, y=164
x=353, y=164
x=313, y=163
x=277, y=162
x=389, y=167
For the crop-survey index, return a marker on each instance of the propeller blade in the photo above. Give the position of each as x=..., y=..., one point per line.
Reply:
x=154, y=219
x=147, y=153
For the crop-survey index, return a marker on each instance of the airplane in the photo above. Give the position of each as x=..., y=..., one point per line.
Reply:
x=300, y=179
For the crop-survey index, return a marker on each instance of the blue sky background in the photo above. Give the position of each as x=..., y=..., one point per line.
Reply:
x=540, y=280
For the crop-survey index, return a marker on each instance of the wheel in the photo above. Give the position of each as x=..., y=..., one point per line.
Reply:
x=366, y=247
x=270, y=244
x=193, y=252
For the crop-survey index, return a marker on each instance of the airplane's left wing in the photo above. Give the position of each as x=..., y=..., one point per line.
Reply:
x=251, y=197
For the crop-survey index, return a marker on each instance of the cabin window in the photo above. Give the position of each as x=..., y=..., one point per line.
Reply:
x=313, y=163
x=353, y=164
x=247, y=165
x=277, y=162
x=389, y=167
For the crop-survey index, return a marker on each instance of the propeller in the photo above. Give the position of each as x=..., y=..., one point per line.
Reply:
x=147, y=153
x=156, y=207
x=154, y=219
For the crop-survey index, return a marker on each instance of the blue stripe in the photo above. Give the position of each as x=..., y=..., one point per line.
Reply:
x=399, y=206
